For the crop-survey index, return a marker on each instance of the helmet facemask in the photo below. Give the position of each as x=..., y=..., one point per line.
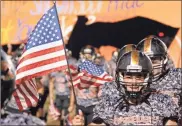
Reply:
x=87, y=54
x=159, y=66
x=134, y=84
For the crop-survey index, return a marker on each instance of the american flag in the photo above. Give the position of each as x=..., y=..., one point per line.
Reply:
x=89, y=74
x=44, y=53
x=25, y=95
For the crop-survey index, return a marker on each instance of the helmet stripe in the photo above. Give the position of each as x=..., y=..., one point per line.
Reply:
x=134, y=58
x=128, y=48
x=147, y=45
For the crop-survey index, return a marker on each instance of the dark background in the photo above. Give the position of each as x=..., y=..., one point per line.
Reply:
x=115, y=34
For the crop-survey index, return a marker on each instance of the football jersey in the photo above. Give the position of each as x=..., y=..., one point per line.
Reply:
x=170, y=84
x=153, y=112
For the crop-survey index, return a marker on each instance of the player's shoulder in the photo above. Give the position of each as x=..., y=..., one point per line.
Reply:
x=110, y=94
x=159, y=97
x=175, y=71
x=162, y=101
x=110, y=87
x=174, y=74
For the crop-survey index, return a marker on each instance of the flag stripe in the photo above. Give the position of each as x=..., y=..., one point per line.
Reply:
x=29, y=96
x=42, y=47
x=31, y=88
x=27, y=100
x=40, y=58
x=41, y=63
x=42, y=52
x=26, y=94
x=22, y=100
x=89, y=76
x=94, y=79
x=91, y=82
x=41, y=68
x=18, y=81
x=28, y=87
x=33, y=83
x=17, y=99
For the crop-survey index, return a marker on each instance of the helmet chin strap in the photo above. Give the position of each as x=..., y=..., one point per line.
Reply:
x=128, y=99
x=134, y=96
x=139, y=97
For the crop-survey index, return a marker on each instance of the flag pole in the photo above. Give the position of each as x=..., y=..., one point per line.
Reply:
x=66, y=58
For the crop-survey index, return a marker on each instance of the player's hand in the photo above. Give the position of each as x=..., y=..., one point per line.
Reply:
x=78, y=119
x=4, y=66
x=70, y=108
x=54, y=112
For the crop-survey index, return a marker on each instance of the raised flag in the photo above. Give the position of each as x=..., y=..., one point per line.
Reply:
x=44, y=51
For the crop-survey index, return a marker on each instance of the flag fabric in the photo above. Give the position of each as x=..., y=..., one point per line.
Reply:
x=44, y=51
x=89, y=74
x=25, y=95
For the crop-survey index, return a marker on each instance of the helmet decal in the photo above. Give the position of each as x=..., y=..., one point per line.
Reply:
x=147, y=46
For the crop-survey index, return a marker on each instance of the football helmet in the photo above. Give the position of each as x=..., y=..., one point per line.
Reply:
x=87, y=53
x=157, y=51
x=133, y=72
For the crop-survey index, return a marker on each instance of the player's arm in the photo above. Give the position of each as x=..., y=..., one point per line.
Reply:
x=51, y=89
x=99, y=91
x=72, y=99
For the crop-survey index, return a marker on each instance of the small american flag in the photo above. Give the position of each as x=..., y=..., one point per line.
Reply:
x=44, y=53
x=89, y=74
